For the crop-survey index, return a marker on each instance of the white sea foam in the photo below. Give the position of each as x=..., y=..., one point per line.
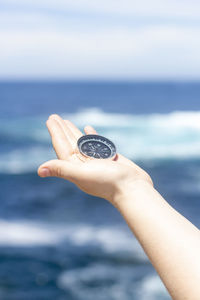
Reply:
x=24, y=160
x=107, y=281
x=176, y=119
x=139, y=137
x=23, y=233
x=112, y=240
x=100, y=280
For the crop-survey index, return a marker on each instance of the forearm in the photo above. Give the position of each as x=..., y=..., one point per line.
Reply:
x=171, y=242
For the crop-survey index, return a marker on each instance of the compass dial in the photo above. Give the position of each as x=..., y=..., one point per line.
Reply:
x=96, y=146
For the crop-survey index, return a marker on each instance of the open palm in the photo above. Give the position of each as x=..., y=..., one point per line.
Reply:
x=98, y=177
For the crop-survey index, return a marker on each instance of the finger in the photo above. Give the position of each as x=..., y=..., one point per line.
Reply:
x=67, y=131
x=61, y=169
x=89, y=130
x=77, y=133
x=60, y=143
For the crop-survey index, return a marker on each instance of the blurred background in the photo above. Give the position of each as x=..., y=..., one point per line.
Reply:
x=132, y=70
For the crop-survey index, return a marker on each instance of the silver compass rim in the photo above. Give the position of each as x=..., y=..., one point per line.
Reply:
x=94, y=137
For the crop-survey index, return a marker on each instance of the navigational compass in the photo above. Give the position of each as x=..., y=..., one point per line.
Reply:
x=96, y=146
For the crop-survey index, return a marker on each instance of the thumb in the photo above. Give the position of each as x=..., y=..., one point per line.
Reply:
x=57, y=168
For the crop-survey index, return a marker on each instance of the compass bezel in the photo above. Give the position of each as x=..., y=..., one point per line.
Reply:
x=97, y=138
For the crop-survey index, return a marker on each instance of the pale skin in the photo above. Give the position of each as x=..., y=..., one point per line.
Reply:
x=170, y=241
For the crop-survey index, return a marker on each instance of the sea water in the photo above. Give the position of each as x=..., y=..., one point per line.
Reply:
x=57, y=242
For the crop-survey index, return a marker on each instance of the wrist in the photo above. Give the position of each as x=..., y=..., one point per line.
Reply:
x=130, y=192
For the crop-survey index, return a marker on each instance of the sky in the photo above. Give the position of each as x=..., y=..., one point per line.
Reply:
x=100, y=39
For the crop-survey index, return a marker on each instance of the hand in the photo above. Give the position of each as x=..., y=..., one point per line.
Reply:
x=102, y=178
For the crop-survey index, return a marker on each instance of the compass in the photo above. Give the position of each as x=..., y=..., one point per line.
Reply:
x=96, y=146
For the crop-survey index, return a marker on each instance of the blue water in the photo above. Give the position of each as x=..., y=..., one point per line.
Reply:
x=57, y=242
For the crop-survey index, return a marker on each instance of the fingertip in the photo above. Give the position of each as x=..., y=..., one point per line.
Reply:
x=89, y=130
x=54, y=116
x=39, y=171
x=44, y=171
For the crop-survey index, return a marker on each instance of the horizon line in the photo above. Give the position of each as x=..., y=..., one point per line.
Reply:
x=99, y=80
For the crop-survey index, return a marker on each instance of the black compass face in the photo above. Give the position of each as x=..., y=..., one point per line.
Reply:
x=96, y=146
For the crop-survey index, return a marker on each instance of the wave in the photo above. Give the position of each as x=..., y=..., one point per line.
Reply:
x=116, y=282
x=139, y=137
x=109, y=239
x=26, y=160
x=24, y=233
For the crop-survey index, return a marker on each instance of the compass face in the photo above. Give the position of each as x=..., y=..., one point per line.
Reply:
x=96, y=146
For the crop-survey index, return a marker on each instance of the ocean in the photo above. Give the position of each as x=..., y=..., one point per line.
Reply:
x=58, y=243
